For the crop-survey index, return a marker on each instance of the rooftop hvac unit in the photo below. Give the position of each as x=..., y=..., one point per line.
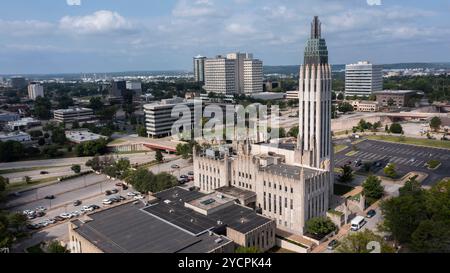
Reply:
x=219, y=223
x=218, y=240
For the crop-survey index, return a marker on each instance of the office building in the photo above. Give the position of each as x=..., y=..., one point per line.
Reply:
x=176, y=221
x=22, y=124
x=159, y=119
x=35, y=90
x=118, y=88
x=363, y=79
x=395, y=98
x=291, y=182
x=81, y=136
x=78, y=114
x=199, y=68
x=18, y=82
x=237, y=73
x=135, y=86
x=365, y=106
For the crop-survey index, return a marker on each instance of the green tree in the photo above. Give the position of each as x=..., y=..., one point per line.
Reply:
x=345, y=107
x=3, y=183
x=184, y=150
x=340, y=96
x=362, y=242
x=159, y=156
x=247, y=250
x=59, y=136
x=11, y=151
x=372, y=189
x=141, y=131
x=76, y=168
x=42, y=107
x=293, y=132
x=96, y=103
x=92, y=148
x=346, y=175
x=320, y=226
x=56, y=247
x=435, y=124
x=123, y=165
x=390, y=170
x=396, y=128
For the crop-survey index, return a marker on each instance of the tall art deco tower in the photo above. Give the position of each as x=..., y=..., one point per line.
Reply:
x=314, y=141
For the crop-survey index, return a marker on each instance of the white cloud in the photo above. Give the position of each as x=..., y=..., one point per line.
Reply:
x=102, y=21
x=25, y=28
x=197, y=8
x=240, y=29
x=73, y=2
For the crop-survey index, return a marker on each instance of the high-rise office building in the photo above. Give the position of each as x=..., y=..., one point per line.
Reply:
x=237, y=73
x=136, y=87
x=35, y=90
x=363, y=79
x=18, y=82
x=220, y=75
x=118, y=88
x=199, y=68
x=315, y=102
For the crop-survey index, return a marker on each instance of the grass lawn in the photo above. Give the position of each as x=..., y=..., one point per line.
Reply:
x=7, y=171
x=340, y=189
x=14, y=187
x=413, y=141
x=339, y=148
x=117, y=141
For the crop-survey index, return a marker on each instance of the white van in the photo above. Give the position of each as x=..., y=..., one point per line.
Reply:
x=357, y=223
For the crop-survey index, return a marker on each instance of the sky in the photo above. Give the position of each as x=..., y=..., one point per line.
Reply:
x=82, y=36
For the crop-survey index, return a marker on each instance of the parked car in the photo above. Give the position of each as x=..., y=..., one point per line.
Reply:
x=51, y=221
x=76, y=213
x=107, y=202
x=131, y=194
x=95, y=207
x=114, y=191
x=76, y=203
x=87, y=209
x=371, y=213
x=183, y=176
x=124, y=187
x=59, y=218
x=333, y=244
x=138, y=197
x=175, y=166
x=119, y=184
x=50, y=197
x=121, y=198
x=43, y=172
x=40, y=214
x=33, y=226
x=41, y=208
x=66, y=215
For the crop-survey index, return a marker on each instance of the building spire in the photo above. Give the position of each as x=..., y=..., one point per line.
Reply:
x=316, y=26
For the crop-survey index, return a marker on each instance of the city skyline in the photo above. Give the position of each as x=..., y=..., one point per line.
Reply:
x=99, y=36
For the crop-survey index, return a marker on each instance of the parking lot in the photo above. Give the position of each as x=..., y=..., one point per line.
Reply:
x=407, y=158
x=90, y=190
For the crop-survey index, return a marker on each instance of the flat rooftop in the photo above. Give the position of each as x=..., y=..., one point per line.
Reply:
x=129, y=229
x=82, y=136
x=73, y=110
x=290, y=171
x=236, y=192
x=172, y=209
x=396, y=92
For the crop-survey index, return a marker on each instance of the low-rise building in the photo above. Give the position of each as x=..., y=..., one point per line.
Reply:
x=365, y=106
x=398, y=98
x=15, y=136
x=80, y=136
x=268, y=96
x=22, y=124
x=177, y=221
x=73, y=114
x=159, y=119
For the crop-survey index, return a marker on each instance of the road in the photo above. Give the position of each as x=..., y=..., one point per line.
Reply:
x=36, y=174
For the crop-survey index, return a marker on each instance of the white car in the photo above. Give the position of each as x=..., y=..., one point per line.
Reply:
x=50, y=221
x=131, y=194
x=43, y=224
x=87, y=209
x=76, y=213
x=66, y=215
x=28, y=212
x=138, y=197
x=107, y=202
x=41, y=208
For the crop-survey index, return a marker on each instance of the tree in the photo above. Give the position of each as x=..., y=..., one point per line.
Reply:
x=390, y=171
x=76, y=168
x=56, y=247
x=123, y=165
x=386, y=128
x=345, y=107
x=247, y=250
x=92, y=148
x=396, y=128
x=340, y=96
x=372, y=189
x=65, y=102
x=41, y=141
x=11, y=151
x=435, y=124
x=3, y=183
x=184, y=150
x=36, y=133
x=159, y=156
x=141, y=131
x=59, y=136
x=362, y=242
x=320, y=226
x=346, y=175
x=145, y=181
x=26, y=179
x=42, y=107
x=95, y=103
x=377, y=125
x=391, y=102
x=293, y=132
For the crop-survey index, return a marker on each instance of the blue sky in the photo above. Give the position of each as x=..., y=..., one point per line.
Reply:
x=50, y=36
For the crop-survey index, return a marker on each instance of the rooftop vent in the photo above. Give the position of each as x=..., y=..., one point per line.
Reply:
x=167, y=201
x=218, y=240
x=219, y=223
